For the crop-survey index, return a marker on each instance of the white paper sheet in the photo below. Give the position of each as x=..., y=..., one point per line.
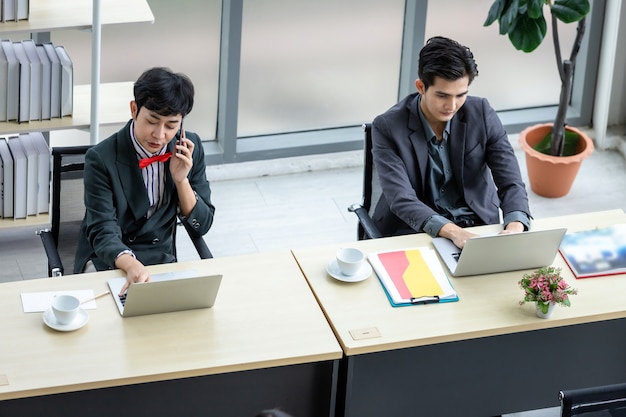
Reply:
x=33, y=302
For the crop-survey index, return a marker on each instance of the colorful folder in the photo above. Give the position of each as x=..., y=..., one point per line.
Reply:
x=412, y=276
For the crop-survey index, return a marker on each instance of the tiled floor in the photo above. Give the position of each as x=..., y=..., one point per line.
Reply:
x=273, y=205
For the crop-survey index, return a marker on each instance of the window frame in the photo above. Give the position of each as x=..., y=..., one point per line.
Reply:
x=228, y=148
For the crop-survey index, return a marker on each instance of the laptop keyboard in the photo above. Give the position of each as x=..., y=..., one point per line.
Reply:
x=456, y=256
x=165, y=276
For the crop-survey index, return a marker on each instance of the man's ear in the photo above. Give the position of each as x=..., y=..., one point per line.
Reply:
x=421, y=88
x=133, y=109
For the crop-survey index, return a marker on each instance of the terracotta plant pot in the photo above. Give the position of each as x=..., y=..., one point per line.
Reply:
x=552, y=176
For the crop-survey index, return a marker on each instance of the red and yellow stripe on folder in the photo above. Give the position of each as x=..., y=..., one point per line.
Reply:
x=410, y=274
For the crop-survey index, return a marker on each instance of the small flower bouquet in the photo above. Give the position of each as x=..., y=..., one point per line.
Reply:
x=546, y=286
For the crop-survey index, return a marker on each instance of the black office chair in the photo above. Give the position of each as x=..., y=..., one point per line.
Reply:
x=371, y=192
x=606, y=400
x=67, y=211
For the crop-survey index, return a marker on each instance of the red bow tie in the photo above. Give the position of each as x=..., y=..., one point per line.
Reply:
x=144, y=162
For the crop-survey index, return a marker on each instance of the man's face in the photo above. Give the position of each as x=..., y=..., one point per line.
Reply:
x=443, y=98
x=152, y=130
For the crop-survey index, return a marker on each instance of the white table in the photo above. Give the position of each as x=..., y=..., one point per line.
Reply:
x=264, y=343
x=483, y=355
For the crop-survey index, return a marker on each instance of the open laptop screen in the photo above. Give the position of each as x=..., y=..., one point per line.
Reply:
x=175, y=291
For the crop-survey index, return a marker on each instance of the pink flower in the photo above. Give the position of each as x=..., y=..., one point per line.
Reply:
x=547, y=285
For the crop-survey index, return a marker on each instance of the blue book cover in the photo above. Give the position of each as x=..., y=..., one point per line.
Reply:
x=596, y=252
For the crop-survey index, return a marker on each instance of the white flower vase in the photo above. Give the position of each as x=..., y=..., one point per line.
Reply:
x=540, y=312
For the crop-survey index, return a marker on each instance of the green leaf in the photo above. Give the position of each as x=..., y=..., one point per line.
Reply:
x=535, y=8
x=528, y=33
x=569, y=11
x=509, y=16
x=495, y=11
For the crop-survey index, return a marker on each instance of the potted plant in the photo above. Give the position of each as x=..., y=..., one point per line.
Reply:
x=546, y=288
x=524, y=23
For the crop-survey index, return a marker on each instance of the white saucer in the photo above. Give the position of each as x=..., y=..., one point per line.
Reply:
x=79, y=321
x=362, y=274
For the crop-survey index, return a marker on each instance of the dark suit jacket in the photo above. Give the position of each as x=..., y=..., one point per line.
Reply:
x=116, y=204
x=484, y=164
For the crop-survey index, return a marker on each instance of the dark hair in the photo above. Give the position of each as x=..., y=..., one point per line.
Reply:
x=164, y=92
x=445, y=58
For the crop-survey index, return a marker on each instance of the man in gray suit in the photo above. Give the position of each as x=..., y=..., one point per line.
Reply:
x=140, y=178
x=443, y=158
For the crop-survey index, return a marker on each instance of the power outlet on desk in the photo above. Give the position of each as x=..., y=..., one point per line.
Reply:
x=369, y=333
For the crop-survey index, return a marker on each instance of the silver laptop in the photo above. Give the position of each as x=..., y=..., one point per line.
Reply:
x=164, y=293
x=500, y=253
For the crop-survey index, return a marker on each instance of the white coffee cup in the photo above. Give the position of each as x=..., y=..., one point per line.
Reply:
x=349, y=260
x=65, y=308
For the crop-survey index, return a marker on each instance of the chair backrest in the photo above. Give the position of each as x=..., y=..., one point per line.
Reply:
x=67, y=206
x=605, y=400
x=371, y=186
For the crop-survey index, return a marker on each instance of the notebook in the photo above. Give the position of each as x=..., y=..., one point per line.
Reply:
x=500, y=252
x=167, y=292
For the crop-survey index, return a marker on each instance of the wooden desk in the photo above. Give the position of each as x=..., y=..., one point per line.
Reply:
x=265, y=343
x=484, y=355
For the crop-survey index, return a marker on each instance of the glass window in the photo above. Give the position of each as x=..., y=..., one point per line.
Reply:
x=184, y=37
x=313, y=65
x=510, y=79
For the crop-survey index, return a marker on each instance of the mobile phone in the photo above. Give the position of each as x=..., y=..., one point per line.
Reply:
x=180, y=135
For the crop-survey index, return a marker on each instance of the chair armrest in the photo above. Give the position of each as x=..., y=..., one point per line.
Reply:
x=367, y=227
x=55, y=266
x=198, y=242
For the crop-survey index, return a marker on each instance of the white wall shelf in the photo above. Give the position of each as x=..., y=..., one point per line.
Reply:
x=113, y=109
x=51, y=15
x=112, y=99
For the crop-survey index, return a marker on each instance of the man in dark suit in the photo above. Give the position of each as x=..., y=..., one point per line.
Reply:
x=443, y=158
x=140, y=178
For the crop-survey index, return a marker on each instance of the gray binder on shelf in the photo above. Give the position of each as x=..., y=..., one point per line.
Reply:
x=12, y=92
x=19, y=177
x=9, y=12
x=32, y=167
x=7, y=178
x=22, y=9
x=67, y=81
x=4, y=84
x=43, y=171
x=46, y=82
x=24, y=83
x=30, y=49
x=55, y=80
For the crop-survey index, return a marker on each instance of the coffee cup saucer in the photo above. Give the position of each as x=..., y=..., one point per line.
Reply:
x=79, y=321
x=362, y=274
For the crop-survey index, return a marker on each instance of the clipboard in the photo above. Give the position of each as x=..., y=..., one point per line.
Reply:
x=412, y=277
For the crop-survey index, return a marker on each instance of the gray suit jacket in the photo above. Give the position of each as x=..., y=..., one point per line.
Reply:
x=484, y=164
x=117, y=203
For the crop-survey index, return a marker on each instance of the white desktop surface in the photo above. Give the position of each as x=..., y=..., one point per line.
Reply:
x=487, y=306
x=264, y=316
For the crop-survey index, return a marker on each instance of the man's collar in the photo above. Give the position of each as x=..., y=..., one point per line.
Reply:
x=428, y=131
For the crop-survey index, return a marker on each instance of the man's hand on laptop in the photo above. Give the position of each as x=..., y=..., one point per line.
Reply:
x=513, y=227
x=135, y=270
x=456, y=234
